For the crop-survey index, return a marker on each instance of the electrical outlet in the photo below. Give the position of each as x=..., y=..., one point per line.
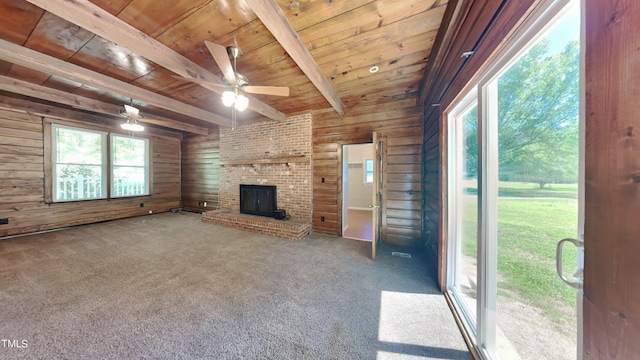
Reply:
x=4, y=221
x=141, y=204
x=205, y=204
x=322, y=179
x=150, y=212
x=322, y=218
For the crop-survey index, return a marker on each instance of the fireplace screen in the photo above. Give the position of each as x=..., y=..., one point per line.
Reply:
x=258, y=200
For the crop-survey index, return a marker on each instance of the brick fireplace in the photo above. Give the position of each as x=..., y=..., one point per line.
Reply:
x=268, y=153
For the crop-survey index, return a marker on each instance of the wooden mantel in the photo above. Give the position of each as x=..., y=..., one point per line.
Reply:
x=276, y=160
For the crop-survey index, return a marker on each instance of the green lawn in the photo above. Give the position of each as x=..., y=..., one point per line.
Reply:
x=514, y=189
x=530, y=224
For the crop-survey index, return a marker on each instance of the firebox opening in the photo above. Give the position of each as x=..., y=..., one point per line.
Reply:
x=258, y=200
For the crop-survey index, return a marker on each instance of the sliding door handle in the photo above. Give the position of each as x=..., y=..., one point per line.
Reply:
x=578, y=276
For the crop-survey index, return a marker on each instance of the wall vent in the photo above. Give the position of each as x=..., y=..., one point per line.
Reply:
x=401, y=254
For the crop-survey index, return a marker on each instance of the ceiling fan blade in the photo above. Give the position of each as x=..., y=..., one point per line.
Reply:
x=221, y=57
x=267, y=90
x=202, y=82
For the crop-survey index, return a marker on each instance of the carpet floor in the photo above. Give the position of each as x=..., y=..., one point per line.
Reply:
x=168, y=286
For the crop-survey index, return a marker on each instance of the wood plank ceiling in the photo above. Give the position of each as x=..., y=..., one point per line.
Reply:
x=98, y=55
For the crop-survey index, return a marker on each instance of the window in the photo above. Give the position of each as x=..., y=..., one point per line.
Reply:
x=129, y=166
x=81, y=170
x=78, y=164
x=368, y=171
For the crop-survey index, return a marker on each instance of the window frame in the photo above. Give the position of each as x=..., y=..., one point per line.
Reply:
x=49, y=127
x=113, y=165
x=454, y=217
x=54, y=162
x=364, y=171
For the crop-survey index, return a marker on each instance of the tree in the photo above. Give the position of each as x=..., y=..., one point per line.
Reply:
x=538, y=103
x=470, y=125
x=544, y=164
x=79, y=153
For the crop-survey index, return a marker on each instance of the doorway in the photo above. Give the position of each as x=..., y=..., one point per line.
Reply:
x=357, y=191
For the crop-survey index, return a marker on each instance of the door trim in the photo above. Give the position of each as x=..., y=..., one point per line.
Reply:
x=342, y=207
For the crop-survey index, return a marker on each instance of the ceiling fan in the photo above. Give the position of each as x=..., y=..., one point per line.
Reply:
x=235, y=84
x=133, y=114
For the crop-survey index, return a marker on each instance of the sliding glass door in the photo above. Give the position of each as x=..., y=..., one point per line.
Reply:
x=513, y=193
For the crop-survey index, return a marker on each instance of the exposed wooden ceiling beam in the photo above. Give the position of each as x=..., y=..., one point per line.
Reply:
x=80, y=102
x=269, y=12
x=47, y=64
x=54, y=112
x=100, y=22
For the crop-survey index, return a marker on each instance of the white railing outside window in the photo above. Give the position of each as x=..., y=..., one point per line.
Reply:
x=129, y=166
x=121, y=187
x=78, y=188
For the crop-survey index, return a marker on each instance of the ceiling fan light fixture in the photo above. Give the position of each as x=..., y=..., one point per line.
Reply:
x=239, y=101
x=132, y=115
x=242, y=102
x=132, y=125
x=228, y=98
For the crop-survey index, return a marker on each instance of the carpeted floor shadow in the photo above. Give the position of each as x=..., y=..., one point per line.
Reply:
x=168, y=286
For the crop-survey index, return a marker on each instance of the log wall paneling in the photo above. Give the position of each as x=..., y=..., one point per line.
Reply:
x=201, y=171
x=401, y=188
x=432, y=196
x=22, y=189
x=399, y=124
x=326, y=182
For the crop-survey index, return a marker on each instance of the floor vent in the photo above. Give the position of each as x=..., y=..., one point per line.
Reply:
x=401, y=254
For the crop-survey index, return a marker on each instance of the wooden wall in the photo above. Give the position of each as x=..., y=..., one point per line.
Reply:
x=431, y=188
x=612, y=181
x=22, y=164
x=399, y=123
x=201, y=171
